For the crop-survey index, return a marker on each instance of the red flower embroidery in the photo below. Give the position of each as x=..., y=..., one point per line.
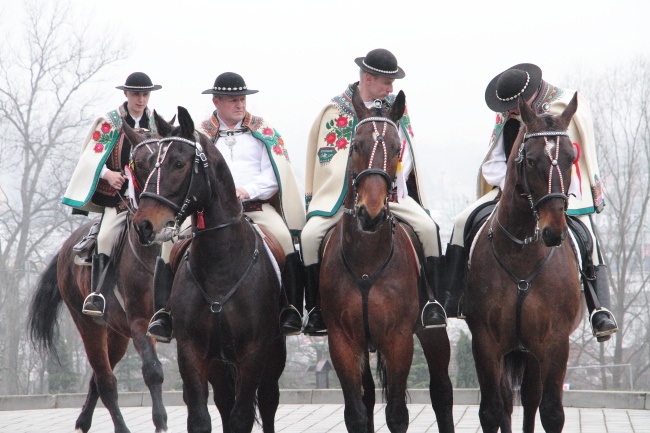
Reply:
x=277, y=149
x=341, y=143
x=342, y=121
x=410, y=131
x=267, y=131
x=96, y=135
x=280, y=141
x=99, y=147
x=330, y=138
x=106, y=127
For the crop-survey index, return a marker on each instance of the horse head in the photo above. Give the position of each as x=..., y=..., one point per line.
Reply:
x=178, y=183
x=374, y=155
x=542, y=168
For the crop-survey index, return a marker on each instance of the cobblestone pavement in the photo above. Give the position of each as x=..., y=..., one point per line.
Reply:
x=321, y=418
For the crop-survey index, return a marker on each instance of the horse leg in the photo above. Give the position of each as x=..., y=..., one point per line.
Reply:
x=489, y=371
x=437, y=351
x=507, y=396
x=531, y=393
x=396, y=366
x=368, y=398
x=249, y=375
x=222, y=378
x=268, y=394
x=152, y=372
x=193, y=368
x=345, y=357
x=103, y=353
x=552, y=375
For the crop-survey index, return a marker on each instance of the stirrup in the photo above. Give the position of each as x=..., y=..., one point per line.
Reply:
x=155, y=317
x=606, y=333
x=443, y=325
x=80, y=261
x=89, y=300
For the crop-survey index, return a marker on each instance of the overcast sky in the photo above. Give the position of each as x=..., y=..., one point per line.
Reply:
x=299, y=54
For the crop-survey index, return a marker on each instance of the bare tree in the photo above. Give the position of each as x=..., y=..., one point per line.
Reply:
x=44, y=67
x=620, y=103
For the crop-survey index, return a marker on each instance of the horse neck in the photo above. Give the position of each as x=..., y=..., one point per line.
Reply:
x=514, y=213
x=365, y=251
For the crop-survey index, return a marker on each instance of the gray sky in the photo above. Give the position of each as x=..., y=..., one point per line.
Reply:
x=301, y=53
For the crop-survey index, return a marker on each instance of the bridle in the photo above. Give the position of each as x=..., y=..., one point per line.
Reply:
x=521, y=167
x=379, y=140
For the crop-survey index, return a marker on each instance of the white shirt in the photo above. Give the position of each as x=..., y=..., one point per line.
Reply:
x=249, y=163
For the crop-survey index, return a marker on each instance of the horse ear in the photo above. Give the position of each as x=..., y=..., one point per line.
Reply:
x=164, y=128
x=527, y=113
x=359, y=107
x=570, y=110
x=134, y=137
x=185, y=122
x=397, y=110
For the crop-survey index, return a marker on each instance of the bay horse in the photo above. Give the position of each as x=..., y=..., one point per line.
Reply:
x=105, y=342
x=225, y=299
x=369, y=285
x=523, y=297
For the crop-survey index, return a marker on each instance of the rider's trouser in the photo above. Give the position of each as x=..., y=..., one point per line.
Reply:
x=112, y=222
x=407, y=209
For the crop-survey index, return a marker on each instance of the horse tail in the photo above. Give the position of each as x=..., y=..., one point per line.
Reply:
x=515, y=367
x=381, y=374
x=44, y=310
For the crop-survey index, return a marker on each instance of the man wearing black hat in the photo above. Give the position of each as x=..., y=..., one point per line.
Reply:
x=502, y=96
x=264, y=182
x=99, y=184
x=327, y=155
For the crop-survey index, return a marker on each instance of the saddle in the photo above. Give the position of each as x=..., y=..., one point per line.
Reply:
x=86, y=246
x=476, y=220
x=585, y=244
x=180, y=248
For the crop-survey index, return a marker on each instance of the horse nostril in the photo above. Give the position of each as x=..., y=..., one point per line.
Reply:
x=145, y=229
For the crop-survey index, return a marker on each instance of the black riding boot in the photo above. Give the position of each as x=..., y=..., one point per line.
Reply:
x=454, y=281
x=602, y=320
x=293, y=284
x=433, y=314
x=315, y=325
x=95, y=303
x=160, y=325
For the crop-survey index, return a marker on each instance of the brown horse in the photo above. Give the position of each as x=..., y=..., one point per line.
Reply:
x=126, y=318
x=225, y=300
x=523, y=297
x=369, y=286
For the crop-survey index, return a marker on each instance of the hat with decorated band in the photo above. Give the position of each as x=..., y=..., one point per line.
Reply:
x=380, y=62
x=503, y=92
x=139, y=82
x=229, y=83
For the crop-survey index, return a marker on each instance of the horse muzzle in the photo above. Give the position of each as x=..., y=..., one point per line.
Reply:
x=369, y=223
x=148, y=235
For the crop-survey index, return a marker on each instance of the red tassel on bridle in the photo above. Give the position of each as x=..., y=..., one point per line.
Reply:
x=200, y=222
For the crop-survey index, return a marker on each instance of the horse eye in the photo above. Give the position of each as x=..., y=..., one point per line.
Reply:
x=178, y=164
x=354, y=148
x=530, y=162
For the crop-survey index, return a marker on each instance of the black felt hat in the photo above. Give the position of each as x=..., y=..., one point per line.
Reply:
x=380, y=62
x=503, y=92
x=139, y=82
x=230, y=83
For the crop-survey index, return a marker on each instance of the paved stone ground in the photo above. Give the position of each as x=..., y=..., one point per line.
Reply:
x=322, y=418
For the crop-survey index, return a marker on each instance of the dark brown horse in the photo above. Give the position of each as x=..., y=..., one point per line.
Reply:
x=523, y=297
x=225, y=299
x=369, y=286
x=126, y=318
